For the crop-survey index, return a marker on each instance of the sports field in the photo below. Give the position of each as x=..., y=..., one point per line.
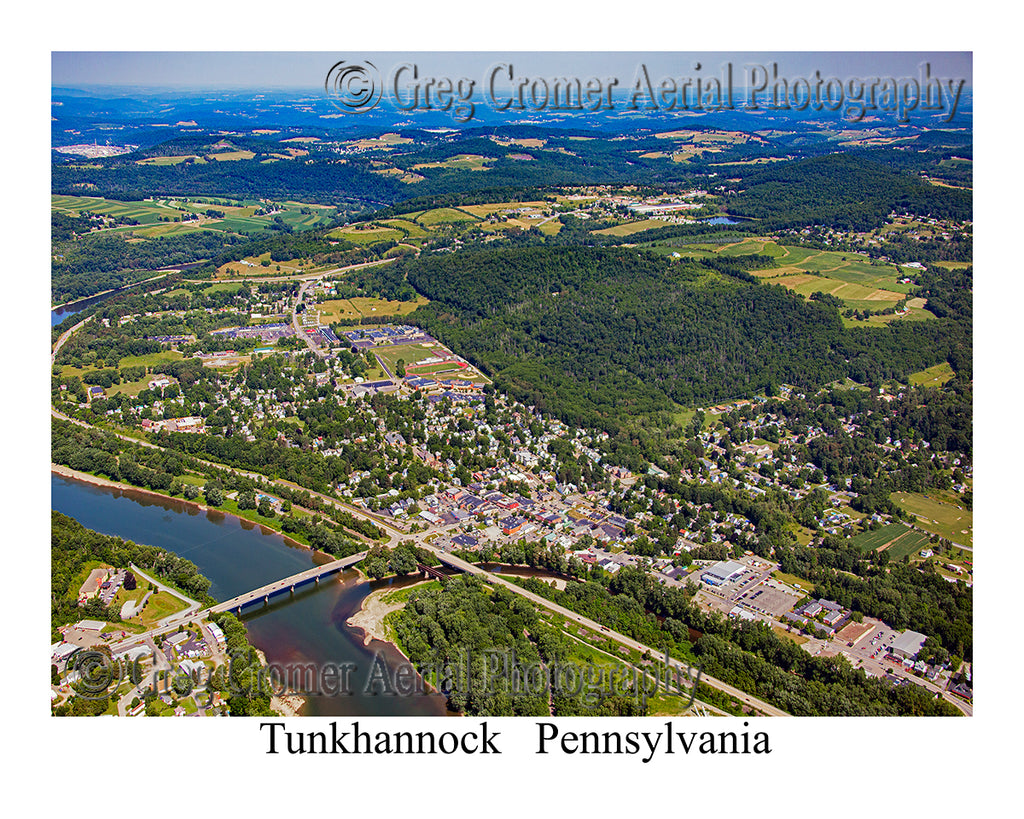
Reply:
x=939, y=512
x=874, y=540
x=896, y=539
x=415, y=354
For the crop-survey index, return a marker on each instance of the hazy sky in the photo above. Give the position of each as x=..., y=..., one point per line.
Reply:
x=269, y=70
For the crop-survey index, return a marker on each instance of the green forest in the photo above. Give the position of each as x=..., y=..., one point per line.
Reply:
x=598, y=335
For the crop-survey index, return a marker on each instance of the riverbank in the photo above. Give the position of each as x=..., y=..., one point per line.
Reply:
x=370, y=617
x=95, y=480
x=287, y=703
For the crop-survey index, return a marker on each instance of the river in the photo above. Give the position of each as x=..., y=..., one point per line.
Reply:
x=236, y=556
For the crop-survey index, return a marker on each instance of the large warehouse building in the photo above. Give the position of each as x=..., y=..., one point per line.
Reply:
x=908, y=644
x=722, y=572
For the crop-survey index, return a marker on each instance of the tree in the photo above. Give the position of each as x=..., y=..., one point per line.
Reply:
x=403, y=561
x=376, y=566
x=247, y=499
x=130, y=583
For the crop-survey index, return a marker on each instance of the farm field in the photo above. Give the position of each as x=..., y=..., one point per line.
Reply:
x=145, y=212
x=150, y=213
x=413, y=231
x=367, y=234
x=705, y=137
x=915, y=312
x=462, y=162
x=856, y=296
x=848, y=276
x=444, y=216
x=384, y=141
x=630, y=228
x=231, y=156
x=941, y=513
x=169, y=160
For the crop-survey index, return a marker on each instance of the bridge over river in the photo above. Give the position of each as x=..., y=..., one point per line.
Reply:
x=287, y=585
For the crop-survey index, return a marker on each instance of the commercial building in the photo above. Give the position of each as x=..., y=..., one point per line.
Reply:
x=725, y=571
x=908, y=644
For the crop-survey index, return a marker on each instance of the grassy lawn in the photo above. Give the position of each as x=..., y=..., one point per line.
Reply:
x=231, y=507
x=160, y=605
x=382, y=308
x=402, y=595
x=151, y=359
x=794, y=580
x=335, y=309
x=932, y=377
x=941, y=513
x=802, y=534
x=799, y=639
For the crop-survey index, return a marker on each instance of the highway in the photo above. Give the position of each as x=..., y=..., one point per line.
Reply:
x=470, y=568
